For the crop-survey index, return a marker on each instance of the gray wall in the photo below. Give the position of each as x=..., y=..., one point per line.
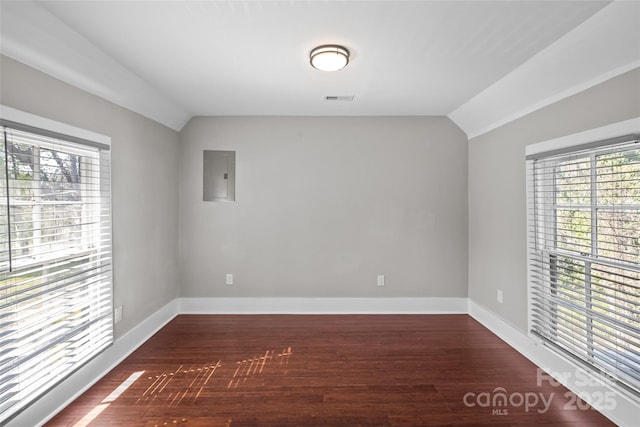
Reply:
x=323, y=205
x=497, y=216
x=144, y=184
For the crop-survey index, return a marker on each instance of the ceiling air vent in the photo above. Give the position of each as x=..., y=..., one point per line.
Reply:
x=338, y=98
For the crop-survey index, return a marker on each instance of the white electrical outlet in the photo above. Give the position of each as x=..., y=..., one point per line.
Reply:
x=380, y=279
x=117, y=314
x=499, y=296
x=229, y=279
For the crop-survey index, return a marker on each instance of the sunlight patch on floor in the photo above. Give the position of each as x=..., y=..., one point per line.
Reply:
x=97, y=410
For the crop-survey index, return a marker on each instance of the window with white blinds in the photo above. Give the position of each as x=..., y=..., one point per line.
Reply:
x=55, y=260
x=584, y=255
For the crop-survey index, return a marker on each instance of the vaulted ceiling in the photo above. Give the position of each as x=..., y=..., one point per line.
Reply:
x=479, y=62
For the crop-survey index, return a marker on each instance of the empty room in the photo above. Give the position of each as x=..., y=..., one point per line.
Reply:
x=319, y=213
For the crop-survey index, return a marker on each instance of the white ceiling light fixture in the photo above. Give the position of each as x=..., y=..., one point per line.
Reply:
x=329, y=57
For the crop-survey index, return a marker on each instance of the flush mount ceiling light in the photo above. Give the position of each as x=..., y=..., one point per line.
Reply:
x=329, y=57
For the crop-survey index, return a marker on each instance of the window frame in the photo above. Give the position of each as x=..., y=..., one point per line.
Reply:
x=570, y=145
x=82, y=143
x=91, y=161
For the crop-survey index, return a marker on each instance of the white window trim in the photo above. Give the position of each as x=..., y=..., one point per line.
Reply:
x=576, y=139
x=14, y=115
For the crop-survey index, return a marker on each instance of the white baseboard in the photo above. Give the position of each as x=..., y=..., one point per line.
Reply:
x=323, y=305
x=67, y=391
x=626, y=411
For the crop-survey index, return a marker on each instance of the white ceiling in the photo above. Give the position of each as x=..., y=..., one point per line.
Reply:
x=170, y=60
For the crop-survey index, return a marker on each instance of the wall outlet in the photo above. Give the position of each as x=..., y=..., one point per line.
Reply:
x=380, y=279
x=499, y=296
x=229, y=279
x=117, y=314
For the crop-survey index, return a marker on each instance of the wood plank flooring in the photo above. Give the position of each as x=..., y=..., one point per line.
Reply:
x=330, y=370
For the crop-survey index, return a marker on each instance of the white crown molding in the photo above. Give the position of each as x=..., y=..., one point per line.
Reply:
x=602, y=47
x=35, y=37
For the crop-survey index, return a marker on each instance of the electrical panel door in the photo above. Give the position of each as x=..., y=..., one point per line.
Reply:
x=219, y=171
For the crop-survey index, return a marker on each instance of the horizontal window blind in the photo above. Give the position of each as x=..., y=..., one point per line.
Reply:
x=55, y=261
x=584, y=256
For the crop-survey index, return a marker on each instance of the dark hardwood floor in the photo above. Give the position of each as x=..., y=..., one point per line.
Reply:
x=332, y=370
